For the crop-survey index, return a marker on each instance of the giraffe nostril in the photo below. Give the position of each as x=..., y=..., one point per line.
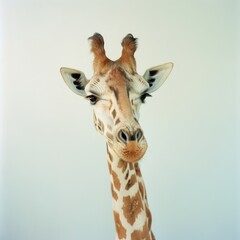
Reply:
x=139, y=134
x=123, y=136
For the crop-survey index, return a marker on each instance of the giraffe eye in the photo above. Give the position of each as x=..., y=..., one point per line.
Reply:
x=143, y=97
x=92, y=99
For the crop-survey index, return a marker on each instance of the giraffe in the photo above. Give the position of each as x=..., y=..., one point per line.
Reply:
x=116, y=92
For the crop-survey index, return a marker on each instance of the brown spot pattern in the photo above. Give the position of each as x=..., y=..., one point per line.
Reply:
x=117, y=121
x=142, y=190
x=114, y=113
x=100, y=125
x=130, y=166
x=123, y=165
x=149, y=217
x=110, y=167
x=114, y=194
x=127, y=175
x=138, y=172
x=141, y=234
x=116, y=181
x=110, y=156
x=132, y=206
x=121, y=231
x=131, y=182
x=110, y=136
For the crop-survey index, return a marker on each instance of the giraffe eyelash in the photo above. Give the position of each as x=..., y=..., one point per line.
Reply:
x=144, y=96
x=92, y=99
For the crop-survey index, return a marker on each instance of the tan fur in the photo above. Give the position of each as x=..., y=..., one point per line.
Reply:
x=117, y=83
x=127, y=59
x=114, y=194
x=101, y=62
x=141, y=189
x=149, y=217
x=116, y=90
x=116, y=181
x=130, y=201
x=131, y=182
x=132, y=152
x=141, y=234
x=137, y=169
x=132, y=207
x=121, y=231
x=123, y=165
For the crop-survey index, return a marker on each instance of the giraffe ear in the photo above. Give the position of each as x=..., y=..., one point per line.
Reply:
x=156, y=76
x=75, y=80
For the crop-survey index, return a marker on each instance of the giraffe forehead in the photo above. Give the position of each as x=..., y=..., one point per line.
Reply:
x=117, y=80
x=123, y=79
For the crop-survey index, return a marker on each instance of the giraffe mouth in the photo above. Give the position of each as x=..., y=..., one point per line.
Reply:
x=132, y=151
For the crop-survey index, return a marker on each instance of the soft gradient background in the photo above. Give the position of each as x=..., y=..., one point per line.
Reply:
x=54, y=176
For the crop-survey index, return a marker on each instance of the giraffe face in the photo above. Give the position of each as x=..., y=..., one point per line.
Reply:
x=116, y=93
x=116, y=98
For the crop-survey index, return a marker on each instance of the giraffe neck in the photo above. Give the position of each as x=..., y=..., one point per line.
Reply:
x=130, y=207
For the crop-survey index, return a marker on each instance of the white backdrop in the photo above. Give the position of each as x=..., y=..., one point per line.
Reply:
x=54, y=177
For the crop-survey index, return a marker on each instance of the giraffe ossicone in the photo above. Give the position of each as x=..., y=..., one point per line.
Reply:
x=116, y=92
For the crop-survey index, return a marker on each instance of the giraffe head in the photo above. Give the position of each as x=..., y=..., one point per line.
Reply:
x=116, y=92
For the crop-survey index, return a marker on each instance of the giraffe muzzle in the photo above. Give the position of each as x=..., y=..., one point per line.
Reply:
x=131, y=144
